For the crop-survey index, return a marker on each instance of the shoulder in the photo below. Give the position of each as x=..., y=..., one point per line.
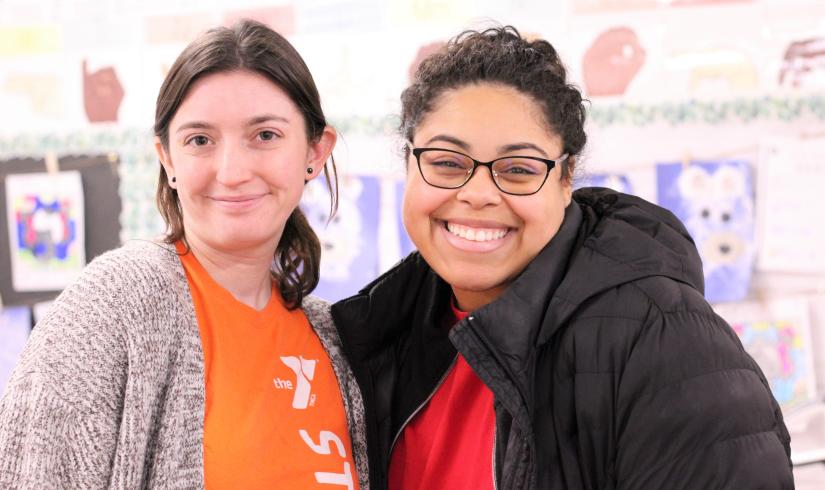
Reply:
x=137, y=259
x=139, y=270
x=661, y=326
x=317, y=311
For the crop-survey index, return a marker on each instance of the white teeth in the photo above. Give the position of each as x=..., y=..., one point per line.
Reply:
x=476, y=234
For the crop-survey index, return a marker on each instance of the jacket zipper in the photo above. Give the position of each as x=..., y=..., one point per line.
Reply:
x=426, y=400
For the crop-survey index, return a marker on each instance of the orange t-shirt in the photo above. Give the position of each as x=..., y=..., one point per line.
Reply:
x=274, y=417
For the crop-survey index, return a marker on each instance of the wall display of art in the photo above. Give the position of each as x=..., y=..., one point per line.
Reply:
x=589, y=6
x=713, y=72
x=776, y=333
x=790, y=178
x=102, y=93
x=617, y=182
x=15, y=325
x=406, y=245
x=39, y=310
x=612, y=62
x=804, y=64
x=40, y=227
x=715, y=202
x=349, y=242
x=46, y=229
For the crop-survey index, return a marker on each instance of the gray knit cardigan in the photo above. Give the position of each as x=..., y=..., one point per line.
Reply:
x=109, y=392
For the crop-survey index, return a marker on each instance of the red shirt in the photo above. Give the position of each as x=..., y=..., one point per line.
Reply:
x=449, y=443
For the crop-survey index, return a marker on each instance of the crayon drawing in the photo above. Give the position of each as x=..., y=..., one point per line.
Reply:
x=349, y=242
x=715, y=202
x=46, y=229
x=15, y=325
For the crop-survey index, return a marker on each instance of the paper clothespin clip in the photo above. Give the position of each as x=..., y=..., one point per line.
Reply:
x=52, y=164
x=686, y=160
x=812, y=135
x=113, y=159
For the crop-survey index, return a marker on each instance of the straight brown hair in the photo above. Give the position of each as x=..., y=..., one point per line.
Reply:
x=252, y=46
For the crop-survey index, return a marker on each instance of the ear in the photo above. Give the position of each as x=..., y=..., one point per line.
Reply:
x=567, y=182
x=694, y=183
x=729, y=182
x=166, y=162
x=319, y=152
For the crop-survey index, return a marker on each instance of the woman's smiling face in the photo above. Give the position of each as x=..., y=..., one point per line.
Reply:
x=478, y=238
x=239, y=153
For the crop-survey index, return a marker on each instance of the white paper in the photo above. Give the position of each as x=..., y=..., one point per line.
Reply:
x=39, y=310
x=15, y=325
x=777, y=334
x=46, y=229
x=790, y=230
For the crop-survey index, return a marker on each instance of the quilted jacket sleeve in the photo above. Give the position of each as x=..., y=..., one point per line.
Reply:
x=694, y=411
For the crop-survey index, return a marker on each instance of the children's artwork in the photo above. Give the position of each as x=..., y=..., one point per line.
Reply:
x=612, y=62
x=102, y=94
x=423, y=53
x=588, y=6
x=40, y=309
x=46, y=229
x=617, y=182
x=15, y=325
x=716, y=71
x=804, y=64
x=407, y=246
x=715, y=202
x=791, y=237
x=43, y=92
x=280, y=18
x=349, y=242
x=776, y=334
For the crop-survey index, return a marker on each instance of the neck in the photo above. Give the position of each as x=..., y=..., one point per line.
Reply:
x=469, y=300
x=244, y=273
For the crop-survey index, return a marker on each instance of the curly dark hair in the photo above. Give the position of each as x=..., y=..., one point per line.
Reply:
x=500, y=55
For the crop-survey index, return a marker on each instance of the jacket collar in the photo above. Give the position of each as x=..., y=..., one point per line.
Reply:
x=605, y=240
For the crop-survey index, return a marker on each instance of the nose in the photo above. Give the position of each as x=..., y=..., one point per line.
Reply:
x=232, y=166
x=480, y=190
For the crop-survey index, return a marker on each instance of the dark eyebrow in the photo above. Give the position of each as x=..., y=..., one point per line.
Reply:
x=251, y=122
x=266, y=117
x=448, y=139
x=501, y=150
x=521, y=146
x=194, y=125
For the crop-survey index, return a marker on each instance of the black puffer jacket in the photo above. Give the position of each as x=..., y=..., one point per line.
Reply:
x=609, y=369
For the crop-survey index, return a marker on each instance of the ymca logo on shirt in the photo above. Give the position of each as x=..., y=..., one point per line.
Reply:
x=304, y=370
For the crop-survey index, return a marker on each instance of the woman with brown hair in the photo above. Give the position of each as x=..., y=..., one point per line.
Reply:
x=200, y=360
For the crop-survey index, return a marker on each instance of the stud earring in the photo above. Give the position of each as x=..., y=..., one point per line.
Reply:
x=174, y=179
x=310, y=170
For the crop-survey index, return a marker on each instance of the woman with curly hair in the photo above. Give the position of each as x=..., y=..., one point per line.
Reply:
x=541, y=338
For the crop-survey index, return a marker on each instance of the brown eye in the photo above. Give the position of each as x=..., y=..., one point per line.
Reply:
x=199, y=140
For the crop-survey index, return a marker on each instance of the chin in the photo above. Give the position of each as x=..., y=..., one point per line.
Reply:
x=472, y=282
x=239, y=239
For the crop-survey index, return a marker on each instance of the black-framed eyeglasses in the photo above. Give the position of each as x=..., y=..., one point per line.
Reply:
x=516, y=175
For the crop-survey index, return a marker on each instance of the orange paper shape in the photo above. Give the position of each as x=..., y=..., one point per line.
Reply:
x=422, y=54
x=102, y=94
x=612, y=61
x=280, y=19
